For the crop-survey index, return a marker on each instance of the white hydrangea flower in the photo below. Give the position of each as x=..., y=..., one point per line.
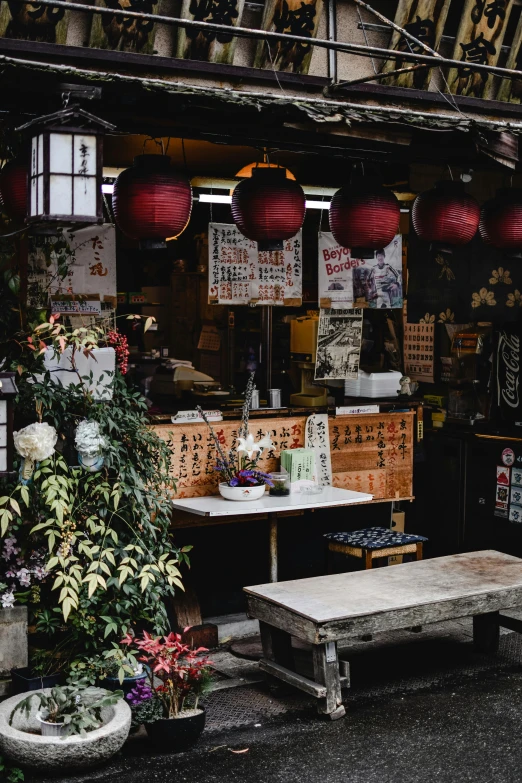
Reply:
x=7, y=599
x=35, y=442
x=88, y=440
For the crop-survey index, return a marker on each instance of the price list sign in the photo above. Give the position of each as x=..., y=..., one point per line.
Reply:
x=418, y=351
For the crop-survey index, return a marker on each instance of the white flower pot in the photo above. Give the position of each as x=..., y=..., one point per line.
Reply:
x=241, y=493
x=48, y=729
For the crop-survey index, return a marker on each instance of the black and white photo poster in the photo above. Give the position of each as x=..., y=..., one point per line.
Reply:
x=338, y=344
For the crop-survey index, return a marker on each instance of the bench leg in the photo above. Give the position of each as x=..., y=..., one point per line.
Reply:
x=326, y=672
x=277, y=645
x=486, y=632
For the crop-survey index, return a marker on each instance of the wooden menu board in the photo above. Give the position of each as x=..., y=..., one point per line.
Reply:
x=370, y=453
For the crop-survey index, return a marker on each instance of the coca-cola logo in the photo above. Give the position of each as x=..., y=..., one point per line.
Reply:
x=508, y=369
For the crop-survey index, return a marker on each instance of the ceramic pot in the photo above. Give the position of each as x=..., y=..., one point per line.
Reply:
x=128, y=684
x=174, y=735
x=241, y=493
x=23, y=680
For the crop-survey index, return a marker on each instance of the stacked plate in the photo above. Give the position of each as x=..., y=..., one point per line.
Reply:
x=374, y=384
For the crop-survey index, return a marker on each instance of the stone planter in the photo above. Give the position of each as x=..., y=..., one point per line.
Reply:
x=54, y=753
x=13, y=639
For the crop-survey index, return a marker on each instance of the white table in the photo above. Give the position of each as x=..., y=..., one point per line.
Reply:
x=216, y=506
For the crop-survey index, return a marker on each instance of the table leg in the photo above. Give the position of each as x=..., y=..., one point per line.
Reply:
x=326, y=672
x=486, y=632
x=277, y=645
x=272, y=523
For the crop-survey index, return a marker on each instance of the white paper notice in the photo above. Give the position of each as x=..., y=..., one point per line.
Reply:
x=318, y=439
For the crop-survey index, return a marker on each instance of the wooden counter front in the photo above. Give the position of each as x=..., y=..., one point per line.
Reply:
x=370, y=453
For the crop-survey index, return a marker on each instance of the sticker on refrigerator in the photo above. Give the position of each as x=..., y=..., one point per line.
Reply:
x=516, y=477
x=515, y=514
x=516, y=495
x=508, y=457
x=503, y=475
x=502, y=494
x=501, y=510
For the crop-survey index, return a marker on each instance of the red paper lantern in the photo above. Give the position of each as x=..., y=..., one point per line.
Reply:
x=446, y=215
x=501, y=220
x=13, y=190
x=268, y=208
x=151, y=201
x=364, y=217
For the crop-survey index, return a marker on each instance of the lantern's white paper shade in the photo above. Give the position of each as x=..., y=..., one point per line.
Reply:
x=40, y=154
x=40, y=204
x=3, y=411
x=3, y=460
x=60, y=201
x=34, y=156
x=3, y=436
x=84, y=157
x=34, y=187
x=85, y=196
x=60, y=153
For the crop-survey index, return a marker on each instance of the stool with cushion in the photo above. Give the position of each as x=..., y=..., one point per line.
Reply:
x=372, y=543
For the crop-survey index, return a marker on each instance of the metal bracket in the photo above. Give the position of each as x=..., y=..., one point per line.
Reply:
x=85, y=92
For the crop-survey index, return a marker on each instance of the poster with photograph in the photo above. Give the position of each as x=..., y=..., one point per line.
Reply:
x=367, y=282
x=338, y=343
x=238, y=273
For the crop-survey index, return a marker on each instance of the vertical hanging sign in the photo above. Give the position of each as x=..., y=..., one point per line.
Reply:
x=479, y=40
x=424, y=19
x=207, y=45
x=295, y=17
x=240, y=274
x=318, y=439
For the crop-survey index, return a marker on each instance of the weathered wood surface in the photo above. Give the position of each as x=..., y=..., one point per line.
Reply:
x=33, y=22
x=124, y=35
x=371, y=453
x=479, y=39
x=425, y=19
x=330, y=608
x=207, y=45
x=511, y=89
x=292, y=678
x=326, y=672
x=296, y=17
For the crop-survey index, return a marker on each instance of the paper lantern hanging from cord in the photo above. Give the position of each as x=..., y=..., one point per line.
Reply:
x=364, y=217
x=13, y=190
x=501, y=220
x=151, y=201
x=446, y=215
x=268, y=207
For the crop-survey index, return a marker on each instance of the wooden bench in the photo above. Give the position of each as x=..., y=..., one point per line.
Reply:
x=327, y=610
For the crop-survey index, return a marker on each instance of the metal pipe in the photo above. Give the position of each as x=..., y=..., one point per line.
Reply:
x=376, y=77
x=396, y=27
x=246, y=32
x=331, y=34
x=266, y=343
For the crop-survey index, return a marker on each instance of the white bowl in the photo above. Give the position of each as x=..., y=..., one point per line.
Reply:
x=242, y=493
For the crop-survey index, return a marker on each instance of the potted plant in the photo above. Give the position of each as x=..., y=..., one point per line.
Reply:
x=114, y=669
x=74, y=726
x=178, y=677
x=244, y=480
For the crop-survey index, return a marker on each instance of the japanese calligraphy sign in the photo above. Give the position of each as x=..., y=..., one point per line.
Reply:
x=424, y=19
x=511, y=89
x=33, y=22
x=240, y=274
x=207, y=45
x=91, y=275
x=125, y=34
x=419, y=357
x=317, y=438
x=295, y=17
x=479, y=40
x=368, y=453
x=373, y=453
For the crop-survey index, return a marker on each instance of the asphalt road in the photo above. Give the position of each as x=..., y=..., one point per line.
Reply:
x=467, y=733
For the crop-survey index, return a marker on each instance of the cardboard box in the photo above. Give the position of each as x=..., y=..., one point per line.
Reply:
x=398, y=522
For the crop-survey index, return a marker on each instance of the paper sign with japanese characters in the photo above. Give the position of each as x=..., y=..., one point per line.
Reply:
x=241, y=274
x=318, y=439
x=419, y=358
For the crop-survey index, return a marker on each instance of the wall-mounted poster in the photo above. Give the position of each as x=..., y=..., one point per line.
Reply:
x=367, y=282
x=238, y=273
x=419, y=355
x=339, y=340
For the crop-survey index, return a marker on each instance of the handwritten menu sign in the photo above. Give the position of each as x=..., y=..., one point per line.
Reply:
x=318, y=439
x=369, y=453
x=419, y=357
x=241, y=274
